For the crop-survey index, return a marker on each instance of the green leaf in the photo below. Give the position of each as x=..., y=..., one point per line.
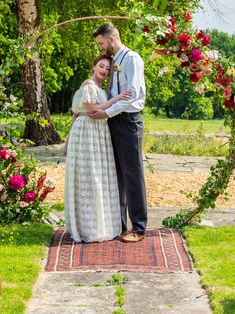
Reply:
x=163, y=6
x=155, y=3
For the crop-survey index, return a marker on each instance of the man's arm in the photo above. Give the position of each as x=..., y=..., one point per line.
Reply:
x=135, y=82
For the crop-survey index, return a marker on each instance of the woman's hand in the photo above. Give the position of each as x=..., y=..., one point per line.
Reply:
x=124, y=95
x=90, y=107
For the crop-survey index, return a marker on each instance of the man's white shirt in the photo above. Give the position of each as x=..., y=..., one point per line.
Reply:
x=131, y=78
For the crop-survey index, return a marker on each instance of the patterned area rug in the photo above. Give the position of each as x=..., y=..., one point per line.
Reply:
x=162, y=250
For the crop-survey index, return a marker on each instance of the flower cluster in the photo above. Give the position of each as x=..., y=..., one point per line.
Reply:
x=203, y=64
x=21, y=190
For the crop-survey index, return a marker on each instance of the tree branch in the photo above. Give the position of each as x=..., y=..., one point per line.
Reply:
x=75, y=20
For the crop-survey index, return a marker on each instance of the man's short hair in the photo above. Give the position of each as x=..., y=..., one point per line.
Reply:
x=106, y=29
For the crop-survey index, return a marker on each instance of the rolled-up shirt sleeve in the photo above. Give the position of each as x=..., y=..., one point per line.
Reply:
x=135, y=84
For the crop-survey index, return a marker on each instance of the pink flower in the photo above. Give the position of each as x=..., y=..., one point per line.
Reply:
x=30, y=197
x=187, y=16
x=195, y=55
x=206, y=40
x=16, y=182
x=200, y=89
x=185, y=39
x=196, y=77
x=4, y=197
x=194, y=67
x=172, y=20
x=227, y=93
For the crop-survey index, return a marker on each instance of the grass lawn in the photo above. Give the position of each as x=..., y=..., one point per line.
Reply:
x=213, y=251
x=180, y=125
x=20, y=254
x=192, y=142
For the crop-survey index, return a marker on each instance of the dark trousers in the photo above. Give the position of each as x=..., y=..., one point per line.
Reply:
x=126, y=132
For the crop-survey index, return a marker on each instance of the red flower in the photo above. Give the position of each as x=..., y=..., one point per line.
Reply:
x=200, y=34
x=161, y=51
x=145, y=29
x=185, y=39
x=229, y=103
x=228, y=80
x=219, y=80
x=40, y=182
x=16, y=182
x=187, y=16
x=172, y=20
x=196, y=77
x=206, y=40
x=184, y=64
x=45, y=192
x=4, y=154
x=184, y=47
x=172, y=33
x=162, y=41
x=219, y=69
x=195, y=55
x=30, y=197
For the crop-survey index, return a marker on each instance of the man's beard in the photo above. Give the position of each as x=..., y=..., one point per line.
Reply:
x=109, y=50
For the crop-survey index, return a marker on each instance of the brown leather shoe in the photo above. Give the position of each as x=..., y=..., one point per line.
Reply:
x=132, y=237
x=124, y=233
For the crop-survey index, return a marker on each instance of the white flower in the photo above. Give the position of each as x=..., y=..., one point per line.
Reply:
x=200, y=89
x=164, y=70
x=33, y=211
x=183, y=58
x=6, y=106
x=50, y=182
x=23, y=204
x=17, y=197
x=1, y=187
x=213, y=55
x=12, y=98
x=18, y=210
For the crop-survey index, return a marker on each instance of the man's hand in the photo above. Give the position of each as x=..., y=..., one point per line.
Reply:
x=98, y=114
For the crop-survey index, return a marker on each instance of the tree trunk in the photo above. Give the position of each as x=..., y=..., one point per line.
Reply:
x=35, y=99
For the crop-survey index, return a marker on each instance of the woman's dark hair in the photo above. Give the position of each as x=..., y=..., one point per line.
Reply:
x=106, y=29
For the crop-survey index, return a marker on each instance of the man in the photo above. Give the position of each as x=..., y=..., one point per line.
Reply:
x=126, y=127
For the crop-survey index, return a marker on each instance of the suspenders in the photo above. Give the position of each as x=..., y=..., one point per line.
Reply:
x=118, y=82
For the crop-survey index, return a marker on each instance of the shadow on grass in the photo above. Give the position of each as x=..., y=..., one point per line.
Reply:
x=228, y=306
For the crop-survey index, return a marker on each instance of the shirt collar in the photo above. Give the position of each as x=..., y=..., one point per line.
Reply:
x=119, y=52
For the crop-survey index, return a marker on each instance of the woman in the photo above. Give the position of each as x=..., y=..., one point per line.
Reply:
x=92, y=209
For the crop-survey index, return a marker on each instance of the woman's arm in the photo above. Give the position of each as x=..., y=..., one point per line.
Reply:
x=109, y=103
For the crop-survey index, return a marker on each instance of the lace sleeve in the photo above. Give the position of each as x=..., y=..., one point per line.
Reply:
x=86, y=93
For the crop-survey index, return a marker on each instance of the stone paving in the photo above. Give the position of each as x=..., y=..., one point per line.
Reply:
x=173, y=293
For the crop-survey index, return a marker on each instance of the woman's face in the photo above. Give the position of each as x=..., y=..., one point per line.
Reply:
x=101, y=69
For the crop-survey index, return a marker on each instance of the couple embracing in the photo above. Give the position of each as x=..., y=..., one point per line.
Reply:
x=104, y=176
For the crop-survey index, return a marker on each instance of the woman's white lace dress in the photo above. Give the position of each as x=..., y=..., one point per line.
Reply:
x=91, y=199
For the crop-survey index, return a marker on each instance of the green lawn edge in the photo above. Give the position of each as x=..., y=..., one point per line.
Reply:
x=21, y=250
x=213, y=253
